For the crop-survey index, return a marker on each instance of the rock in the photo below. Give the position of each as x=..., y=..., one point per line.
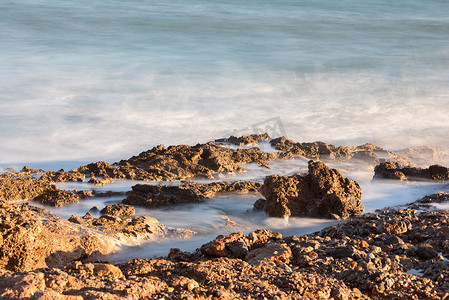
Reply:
x=119, y=210
x=277, y=253
x=99, y=181
x=245, y=140
x=107, y=270
x=324, y=192
x=61, y=176
x=12, y=189
x=57, y=198
x=395, y=170
x=34, y=238
x=426, y=251
x=187, y=192
x=259, y=204
x=237, y=245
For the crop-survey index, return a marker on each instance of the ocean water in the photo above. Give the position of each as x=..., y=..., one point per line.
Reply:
x=106, y=79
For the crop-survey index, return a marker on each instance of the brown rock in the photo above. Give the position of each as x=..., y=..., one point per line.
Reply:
x=12, y=189
x=118, y=210
x=323, y=192
x=187, y=192
x=58, y=198
x=395, y=170
x=245, y=140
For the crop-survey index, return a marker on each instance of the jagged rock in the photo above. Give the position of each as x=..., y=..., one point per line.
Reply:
x=188, y=192
x=395, y=170
x=118, y=210
x=259, y=204
x=12, y=189
x=367, y=153
x=245, y=140
x=274, y=252
x=61, y=176
x=203, y=160
x=34, y=238
x=237, y=245
x=130, y=229
x=323, y=192
x=58, y=198
x=99, y=181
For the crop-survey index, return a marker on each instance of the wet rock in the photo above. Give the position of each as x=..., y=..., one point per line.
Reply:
x=395, y=170
x=12, y=189
x=259, y=204
x=119, y=210
x=187, y=192
x=323, y=192
x=58, y=198
x=434, y=198
x=245, y=140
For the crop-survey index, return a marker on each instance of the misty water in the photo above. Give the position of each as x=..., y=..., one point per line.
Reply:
x=104, y=80
x=83, y=81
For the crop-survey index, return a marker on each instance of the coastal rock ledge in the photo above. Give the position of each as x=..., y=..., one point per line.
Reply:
x=323, y=192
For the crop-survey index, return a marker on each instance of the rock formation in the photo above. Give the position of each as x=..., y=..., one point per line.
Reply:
x=323, y=192
x=188, y=192
x=395, y=170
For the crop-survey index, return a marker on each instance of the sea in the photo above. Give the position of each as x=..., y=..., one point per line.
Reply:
x=82, y=81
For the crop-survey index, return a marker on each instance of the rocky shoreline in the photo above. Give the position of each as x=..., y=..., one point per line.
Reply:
x=395, y=253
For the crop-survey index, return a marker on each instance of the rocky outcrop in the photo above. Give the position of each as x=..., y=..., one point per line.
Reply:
x=245, y=140
x=203, y=160
x=119, y=210
x=33, y=238
x=17, y=188
x=188, y=192
x=58, y=198
x=129, y=230
x=367, y=153
x=323, y=192
x=61, y=176
x=394, y=170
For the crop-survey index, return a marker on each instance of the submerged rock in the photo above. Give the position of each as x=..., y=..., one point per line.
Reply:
x=323, y=192
x=395, y=170
x=188, y=192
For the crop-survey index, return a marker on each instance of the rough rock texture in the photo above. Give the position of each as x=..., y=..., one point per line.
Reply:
x=394, y=170
x=34, y=238
x=323, y=192
x=393, y=254
x=119, y=210
x=129, y=230
x=203, y=160
x=367, y=153
x=61, y=176
x=188, y=192
x=245, y=140
x=58, y=198
x=12, y=189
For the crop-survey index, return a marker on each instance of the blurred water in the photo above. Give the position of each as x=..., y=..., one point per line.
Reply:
x=87, y=80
